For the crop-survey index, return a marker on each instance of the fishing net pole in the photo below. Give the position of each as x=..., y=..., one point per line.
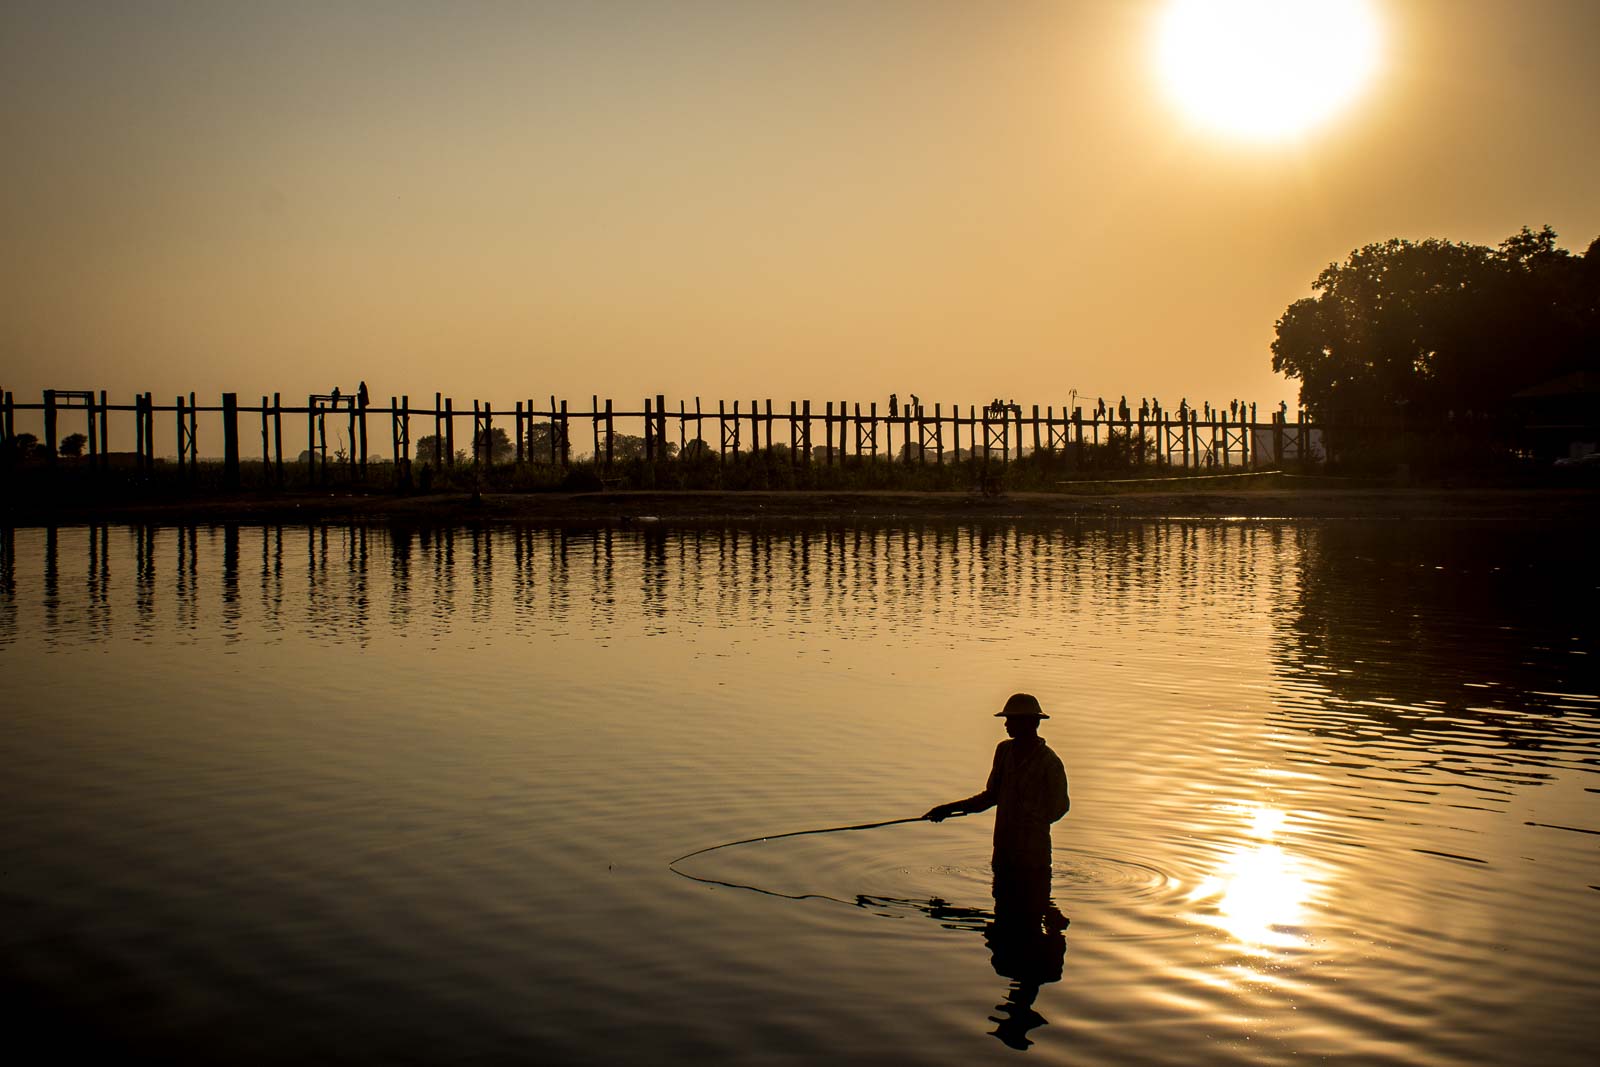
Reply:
x=797, y=833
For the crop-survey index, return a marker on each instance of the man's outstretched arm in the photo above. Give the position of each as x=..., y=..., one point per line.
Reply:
x=979, y=802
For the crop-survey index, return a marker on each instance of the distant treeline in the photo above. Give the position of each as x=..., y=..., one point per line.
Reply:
x=1423, y=333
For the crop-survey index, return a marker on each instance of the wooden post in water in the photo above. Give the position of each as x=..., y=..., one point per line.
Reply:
x=93, y=434
x=985, y=439
x=610, y=433
x=361, y=428
x=394, y=437
x=105, y=438
x=566, y=439
x=143, y=432
x=488, y=436
x=277, y=434
x=806, y=435
x=438, y=430
x=594, y=426
x=230, y=441
x=649, y=434
x=183, y=449
x=322, y=442
x=50, y=424
x=449, y=431
x=311, y=439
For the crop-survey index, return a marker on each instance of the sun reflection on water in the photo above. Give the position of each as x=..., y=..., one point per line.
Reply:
x=1260, y=893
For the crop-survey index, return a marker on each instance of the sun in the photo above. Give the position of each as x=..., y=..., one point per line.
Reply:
x=1266, y=70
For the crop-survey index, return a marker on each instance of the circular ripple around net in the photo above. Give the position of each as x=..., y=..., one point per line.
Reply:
x=1084, y=876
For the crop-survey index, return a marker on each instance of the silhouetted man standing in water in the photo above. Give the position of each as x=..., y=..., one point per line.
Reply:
x=1029, y=787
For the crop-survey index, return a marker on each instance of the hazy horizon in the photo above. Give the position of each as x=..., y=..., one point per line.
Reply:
x=825, y=201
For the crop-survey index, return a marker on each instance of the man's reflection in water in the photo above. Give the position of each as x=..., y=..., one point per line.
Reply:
x=1026, y=936
x=1027, y=944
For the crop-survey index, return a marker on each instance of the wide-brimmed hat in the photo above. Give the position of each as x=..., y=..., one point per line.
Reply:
x=1023, y=706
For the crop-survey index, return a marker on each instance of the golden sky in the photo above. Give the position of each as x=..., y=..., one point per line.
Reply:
x=819, y=199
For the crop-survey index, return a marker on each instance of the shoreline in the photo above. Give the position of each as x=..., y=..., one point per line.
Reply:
x=1276, y=502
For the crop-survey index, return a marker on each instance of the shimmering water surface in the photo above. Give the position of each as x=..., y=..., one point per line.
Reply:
x=410, y=796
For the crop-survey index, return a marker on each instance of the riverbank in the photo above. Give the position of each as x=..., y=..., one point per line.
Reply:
x=1279, y=498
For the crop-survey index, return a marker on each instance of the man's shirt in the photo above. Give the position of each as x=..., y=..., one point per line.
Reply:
x=1028, y=785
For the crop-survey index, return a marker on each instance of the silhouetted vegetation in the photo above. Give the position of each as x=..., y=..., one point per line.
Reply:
x=1439, y=335
x=73, y=444
x=20, y=447
x=498, y=443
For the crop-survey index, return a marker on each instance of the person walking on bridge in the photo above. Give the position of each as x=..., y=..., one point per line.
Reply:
x=1027, y=785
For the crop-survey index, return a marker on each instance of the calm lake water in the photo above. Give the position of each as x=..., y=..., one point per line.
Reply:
x=362, y=795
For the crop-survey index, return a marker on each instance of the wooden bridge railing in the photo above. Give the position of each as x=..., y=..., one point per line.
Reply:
x=996, y=432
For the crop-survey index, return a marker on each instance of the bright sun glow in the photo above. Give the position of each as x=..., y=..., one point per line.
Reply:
x=1260, y=892
x=1266, y=69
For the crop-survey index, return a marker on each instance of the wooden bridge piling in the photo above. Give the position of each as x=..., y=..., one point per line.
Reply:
x=230, y=440
x=854, y=433
x=50, y=424
x=277, y=435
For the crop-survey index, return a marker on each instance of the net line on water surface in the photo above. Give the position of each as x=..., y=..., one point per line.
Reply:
x=860, y=901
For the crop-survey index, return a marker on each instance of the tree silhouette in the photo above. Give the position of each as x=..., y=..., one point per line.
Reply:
x=73, y=444
x=1435, y=328
x=500, y=448
x=21, y=445
x=429, y=449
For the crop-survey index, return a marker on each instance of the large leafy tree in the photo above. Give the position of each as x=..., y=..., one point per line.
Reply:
x=1434, y=326
x=496, y=447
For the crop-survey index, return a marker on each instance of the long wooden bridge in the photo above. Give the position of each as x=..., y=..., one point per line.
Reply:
x=829, y=433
